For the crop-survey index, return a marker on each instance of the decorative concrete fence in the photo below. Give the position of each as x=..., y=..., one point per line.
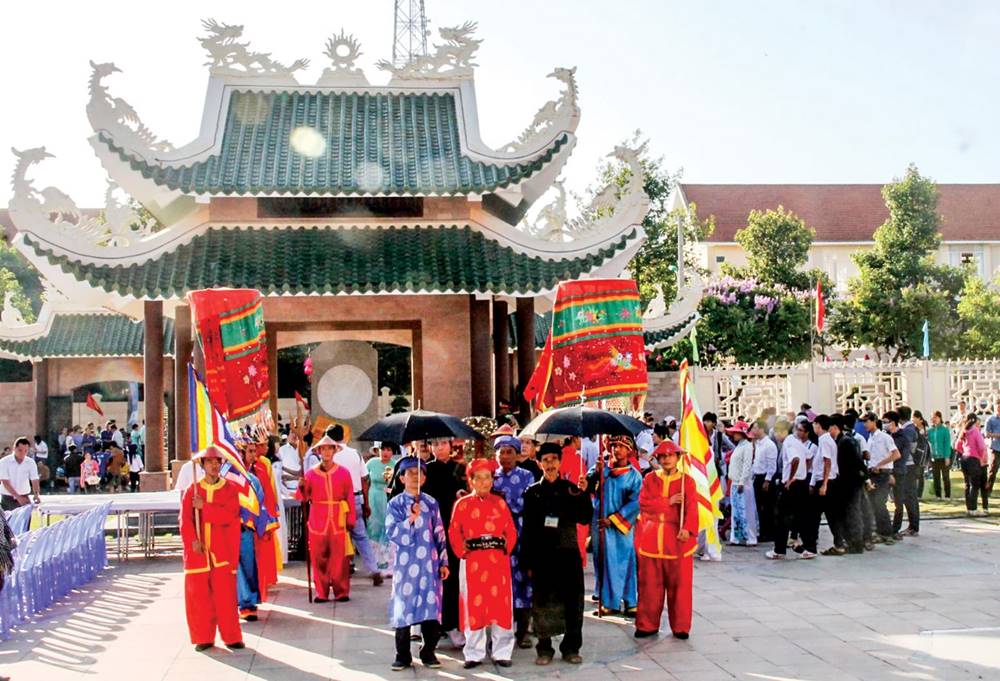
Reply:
x=752, y=390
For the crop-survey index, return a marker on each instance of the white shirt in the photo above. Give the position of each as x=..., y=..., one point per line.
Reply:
x=310, y=460
x=117, y=438
x=289, y=455
x=793, y=450
x=19, y=475
x=765, y=460
x=741, y=463
x=41, y=451
x=862, y=442
x=644, y=440
x=187, y=475
x=135, y=464
x=826, y=451
x=880, y=444
x=349, y=458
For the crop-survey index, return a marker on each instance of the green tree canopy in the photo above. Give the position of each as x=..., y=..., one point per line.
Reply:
x=776, y=243
x=979, y=311
x=899, y=285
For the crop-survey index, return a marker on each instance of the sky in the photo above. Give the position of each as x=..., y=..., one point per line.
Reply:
x=742, y=92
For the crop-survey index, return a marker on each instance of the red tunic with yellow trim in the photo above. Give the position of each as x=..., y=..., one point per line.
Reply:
x=484, y=579
x=659, y=521
x=219, y=530
x=266, y=546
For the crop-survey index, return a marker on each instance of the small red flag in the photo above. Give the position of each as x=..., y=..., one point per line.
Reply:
x=93, y=405
x=301, y=400
x=820, y=307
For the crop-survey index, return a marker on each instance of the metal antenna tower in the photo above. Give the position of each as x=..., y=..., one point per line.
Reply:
x=409, y=36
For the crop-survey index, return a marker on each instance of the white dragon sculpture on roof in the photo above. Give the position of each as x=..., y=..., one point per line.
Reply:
x=451, y=59
x=230, y=57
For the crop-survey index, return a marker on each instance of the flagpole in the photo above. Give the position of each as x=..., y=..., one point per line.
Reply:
x=813, y=310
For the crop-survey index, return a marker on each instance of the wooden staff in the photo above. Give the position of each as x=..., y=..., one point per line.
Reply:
x=601, y=548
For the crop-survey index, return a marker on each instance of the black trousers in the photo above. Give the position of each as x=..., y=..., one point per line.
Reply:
x=904, y=494
x=941, y=471
x=790, y=504
x=993, y=473
x=449, y=594
x=878, y=498
x=852, y=520
x=8, y=503
x=810, y=517
x=833, y=509
x=430, y=632
x=975, y=483
x=765, y=507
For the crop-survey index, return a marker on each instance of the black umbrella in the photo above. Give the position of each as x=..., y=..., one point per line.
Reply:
x=418, y=425
x=583, y=422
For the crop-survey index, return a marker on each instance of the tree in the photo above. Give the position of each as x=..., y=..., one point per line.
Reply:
x=654, y=266
x=899, y=285
x=979, y=312
x=776, y=243
x=17, y=274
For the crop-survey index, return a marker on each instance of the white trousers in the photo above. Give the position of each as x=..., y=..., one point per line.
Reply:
x=475, y=643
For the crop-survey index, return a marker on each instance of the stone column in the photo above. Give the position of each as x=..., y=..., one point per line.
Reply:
x=479, y=337
x=501, y=354
x=40, y=373
x=154, y=478
x=525, y=319
x=272, y=369
x=182, y=403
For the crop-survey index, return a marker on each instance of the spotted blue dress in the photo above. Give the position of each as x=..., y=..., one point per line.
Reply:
x=420, y=553
x=512, y=485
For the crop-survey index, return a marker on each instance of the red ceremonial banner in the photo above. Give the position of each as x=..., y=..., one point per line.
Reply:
x=595, y=348
x=230, y=330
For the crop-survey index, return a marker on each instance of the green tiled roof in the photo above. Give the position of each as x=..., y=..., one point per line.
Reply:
x=651, y=338
x=405, y=144
x=328, y=260
x=88, y=335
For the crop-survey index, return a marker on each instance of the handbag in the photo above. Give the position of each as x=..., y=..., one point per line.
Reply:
x=93, y=480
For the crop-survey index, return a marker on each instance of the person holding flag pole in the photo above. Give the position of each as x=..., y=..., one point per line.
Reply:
x=210, y=533
x=666, y=534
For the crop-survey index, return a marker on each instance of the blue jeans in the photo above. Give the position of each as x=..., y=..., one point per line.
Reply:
x=74, y=484
x=359, y=537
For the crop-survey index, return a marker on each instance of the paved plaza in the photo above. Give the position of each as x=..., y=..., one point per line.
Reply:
x=922, y=610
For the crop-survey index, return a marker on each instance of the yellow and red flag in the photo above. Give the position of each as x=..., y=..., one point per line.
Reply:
x=699, y=463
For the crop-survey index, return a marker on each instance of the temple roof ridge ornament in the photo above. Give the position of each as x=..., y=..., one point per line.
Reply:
x=452, y=59
x=664, y=326
x=117, y=117
x=611, y=209
x=230, y=57
x=553, y=117
x=343, y=51
x=53, y=216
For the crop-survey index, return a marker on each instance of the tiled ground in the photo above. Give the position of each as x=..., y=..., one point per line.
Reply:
x=925, y=609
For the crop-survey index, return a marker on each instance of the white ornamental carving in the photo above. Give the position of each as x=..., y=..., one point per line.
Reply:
x=613, y=207
x=452, y=59
x=116, y=116
x=867, y=389
x=51, y=211
x=552, y=219
x=975, y=384
x=343, y=51
x=553, y=116
x=10, y=315
x=751, y=395
x=230, y=57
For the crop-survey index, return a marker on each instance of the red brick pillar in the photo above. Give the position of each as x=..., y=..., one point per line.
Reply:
x=154, y=478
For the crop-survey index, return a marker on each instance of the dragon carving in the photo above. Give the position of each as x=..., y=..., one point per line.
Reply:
x=230, y=57
x=451, y=59
x=552, y=223
x=117, y=116
x=550, y=115
x=50, y=209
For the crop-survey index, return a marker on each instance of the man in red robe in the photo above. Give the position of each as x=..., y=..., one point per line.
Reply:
x=482, y=534
x=666, y=538
x=266, y=545
x=330, y=492
x=210, y=531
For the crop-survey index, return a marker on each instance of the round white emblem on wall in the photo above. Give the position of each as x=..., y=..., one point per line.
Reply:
x=345, y=391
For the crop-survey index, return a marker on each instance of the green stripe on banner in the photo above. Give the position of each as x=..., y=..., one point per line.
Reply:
x=583, y=316
x=242, y=331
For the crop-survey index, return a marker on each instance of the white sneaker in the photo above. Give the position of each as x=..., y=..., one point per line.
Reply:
x=771, y=555
x=982, y=514
x=807, y=555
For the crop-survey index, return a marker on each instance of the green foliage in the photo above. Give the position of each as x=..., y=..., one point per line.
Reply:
x=777, y=244
x=979, y=312
x=17, y=274
x=899, y=284
x=399, y=404
x=655, y=264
